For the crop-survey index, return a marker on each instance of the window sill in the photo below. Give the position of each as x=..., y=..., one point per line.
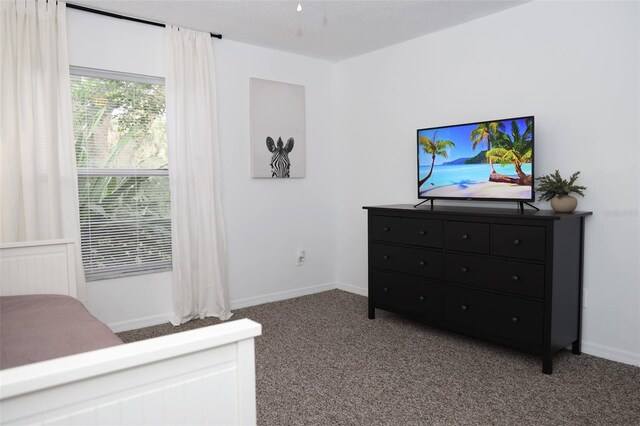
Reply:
x=116, y=275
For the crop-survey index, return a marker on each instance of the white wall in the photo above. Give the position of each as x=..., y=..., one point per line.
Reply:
x=575, y=66
x=267, y=221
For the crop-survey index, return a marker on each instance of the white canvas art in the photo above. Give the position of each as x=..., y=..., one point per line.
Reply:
x=277, y=129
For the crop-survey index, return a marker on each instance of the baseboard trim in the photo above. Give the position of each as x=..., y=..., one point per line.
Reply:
x=353, y=289
x=281, y=295
x=134, y=324
x=610, y=353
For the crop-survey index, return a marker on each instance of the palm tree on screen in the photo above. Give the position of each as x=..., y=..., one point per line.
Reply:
x=516, y=149
x=436, y=148
x=486, y=132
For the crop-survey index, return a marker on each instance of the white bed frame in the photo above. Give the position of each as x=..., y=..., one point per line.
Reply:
x=198, y=377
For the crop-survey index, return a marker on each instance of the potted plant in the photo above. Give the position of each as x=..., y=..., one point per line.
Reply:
x=557, y=190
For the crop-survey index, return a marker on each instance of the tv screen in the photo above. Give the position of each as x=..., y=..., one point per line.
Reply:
x=488, y=160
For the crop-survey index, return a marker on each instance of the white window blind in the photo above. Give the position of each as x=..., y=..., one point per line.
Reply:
x=123, y=176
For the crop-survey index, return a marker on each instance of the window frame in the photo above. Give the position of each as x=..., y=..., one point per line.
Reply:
x=119, y=172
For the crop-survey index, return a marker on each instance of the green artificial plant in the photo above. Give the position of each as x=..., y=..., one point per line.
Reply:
x=552, y=184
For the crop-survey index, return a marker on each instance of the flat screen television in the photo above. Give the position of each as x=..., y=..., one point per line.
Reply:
x=487, y=160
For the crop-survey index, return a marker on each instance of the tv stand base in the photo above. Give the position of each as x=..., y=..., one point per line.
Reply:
x=522, y=203
x=422, y=202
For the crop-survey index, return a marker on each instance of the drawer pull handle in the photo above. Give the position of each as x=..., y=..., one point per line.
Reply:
x=464, y=269
x=465, y=237
x=422, y=298
x=514, y=319
x=422, y=263
x=515, y=278
x=464, y=307
x=386, y=289
x=422, y=232
x=386, y=229
x=516, y=242
x=385, y=257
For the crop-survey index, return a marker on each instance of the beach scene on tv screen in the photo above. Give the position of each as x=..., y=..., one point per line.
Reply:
x=481, y=160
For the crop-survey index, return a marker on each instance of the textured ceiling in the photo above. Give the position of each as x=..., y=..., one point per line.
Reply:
x=332, y=30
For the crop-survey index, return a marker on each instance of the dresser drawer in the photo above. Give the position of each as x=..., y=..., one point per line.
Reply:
x=467, y=236
x=466, y=308
x=470, y=270
x=523, y=242
x=520, y=278
x=406, y=294
x=427, y=263
x=423, y=232
x=504, y=316
x=388, y=290
x=516, y=319
x=387, y=257
x=386, y=228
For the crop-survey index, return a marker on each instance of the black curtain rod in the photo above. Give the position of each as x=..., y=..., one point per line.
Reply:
x=126, y=18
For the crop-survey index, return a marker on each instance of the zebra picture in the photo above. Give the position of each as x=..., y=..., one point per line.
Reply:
x=280, y=164
x=277, y=116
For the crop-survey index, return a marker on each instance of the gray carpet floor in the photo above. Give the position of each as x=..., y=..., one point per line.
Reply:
x=320, y=361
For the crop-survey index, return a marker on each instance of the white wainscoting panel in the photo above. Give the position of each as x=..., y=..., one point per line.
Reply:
x=38, y=267
x=205, y=400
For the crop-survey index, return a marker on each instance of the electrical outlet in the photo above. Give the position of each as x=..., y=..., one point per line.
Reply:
x=301, y=257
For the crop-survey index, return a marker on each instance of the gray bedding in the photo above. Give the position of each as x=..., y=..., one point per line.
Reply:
x=44, y=326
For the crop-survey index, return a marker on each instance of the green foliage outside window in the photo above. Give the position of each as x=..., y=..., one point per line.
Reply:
x=122, y=158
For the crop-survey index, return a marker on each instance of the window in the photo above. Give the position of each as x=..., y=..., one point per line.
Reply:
x=123, y=176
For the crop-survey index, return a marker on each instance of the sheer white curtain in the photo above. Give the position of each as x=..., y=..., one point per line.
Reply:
x=38, y=186
x=198, y=239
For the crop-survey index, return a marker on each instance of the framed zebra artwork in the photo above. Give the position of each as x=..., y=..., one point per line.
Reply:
x=277, y=129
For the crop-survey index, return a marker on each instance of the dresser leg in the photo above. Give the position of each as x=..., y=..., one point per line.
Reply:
x=576, y=348
x=372, y=312
x=547, y=363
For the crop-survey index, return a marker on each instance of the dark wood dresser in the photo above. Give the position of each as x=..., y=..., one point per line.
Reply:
x=511, y=277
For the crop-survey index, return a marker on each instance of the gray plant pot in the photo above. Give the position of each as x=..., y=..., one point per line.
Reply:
x=564, y=203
